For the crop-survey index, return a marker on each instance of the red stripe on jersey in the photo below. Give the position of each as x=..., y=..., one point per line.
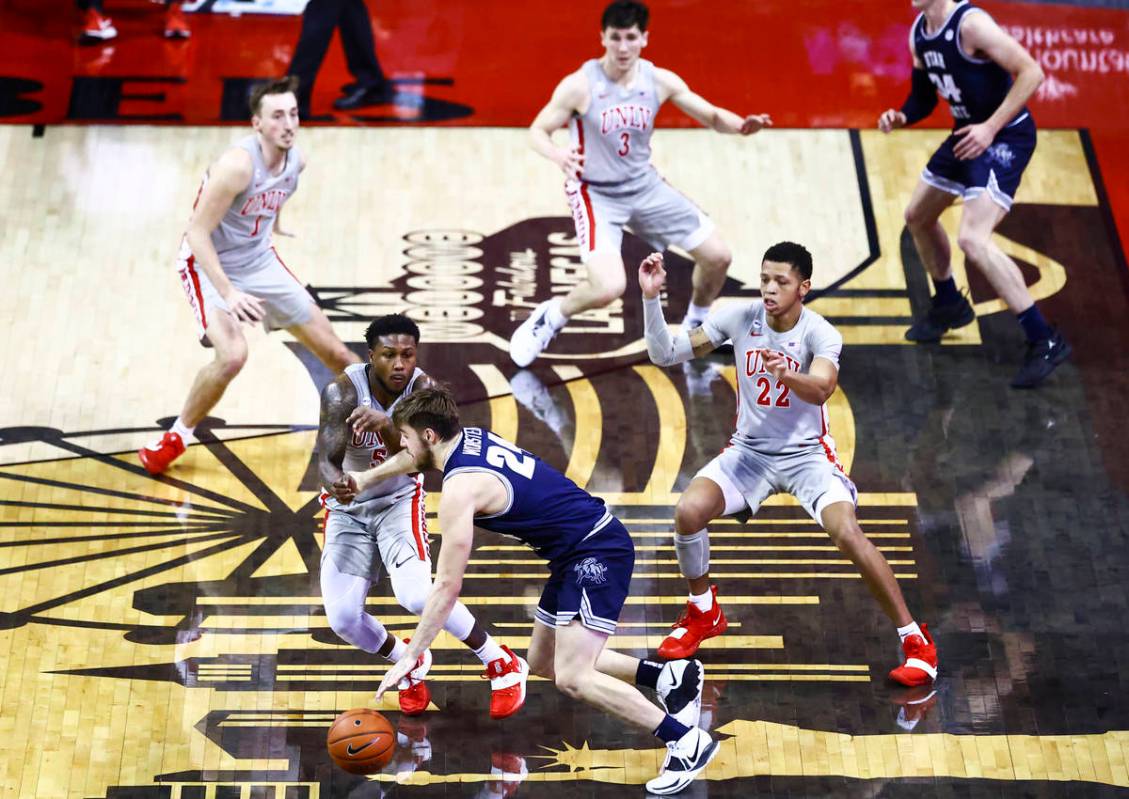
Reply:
x=190, y=265
x=591, y=217
x=580, y=135
x=418, y=521
x=287, y=268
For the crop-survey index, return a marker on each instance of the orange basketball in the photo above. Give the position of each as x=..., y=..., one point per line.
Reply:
x=361, y=741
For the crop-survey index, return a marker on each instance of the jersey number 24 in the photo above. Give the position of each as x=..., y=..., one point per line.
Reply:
x=501, y=454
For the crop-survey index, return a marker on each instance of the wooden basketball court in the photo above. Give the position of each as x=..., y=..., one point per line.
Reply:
x=164, y=636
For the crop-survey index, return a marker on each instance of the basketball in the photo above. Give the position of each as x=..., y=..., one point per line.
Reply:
x=361, y=741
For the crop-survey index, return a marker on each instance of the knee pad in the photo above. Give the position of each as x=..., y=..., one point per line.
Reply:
x=693, y=553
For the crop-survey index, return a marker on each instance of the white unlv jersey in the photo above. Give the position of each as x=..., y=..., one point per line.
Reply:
x=770, y=418
x=366, y=450
x=243, y=236
x=614, y=134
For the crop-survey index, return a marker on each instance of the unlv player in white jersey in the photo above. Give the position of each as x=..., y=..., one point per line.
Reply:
x=787, y=359
x=610, y=104
x=231, y=273
x=385, y=521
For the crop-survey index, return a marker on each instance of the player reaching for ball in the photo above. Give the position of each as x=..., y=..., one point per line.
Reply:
x=385, y=520
x=490, y=483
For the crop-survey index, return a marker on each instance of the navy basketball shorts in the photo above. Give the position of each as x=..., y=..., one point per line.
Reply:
x=591, y=583
x=996, y=171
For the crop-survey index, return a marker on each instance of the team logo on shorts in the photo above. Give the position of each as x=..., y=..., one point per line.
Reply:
x=1002, y=154
x=590, y=570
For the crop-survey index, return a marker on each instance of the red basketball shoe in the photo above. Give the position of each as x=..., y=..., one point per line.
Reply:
x=693, y=627
x=175, y=25
x=920, y=665
x=97, y=27
x=414, y=695
x=157, y=456
x=507, y=684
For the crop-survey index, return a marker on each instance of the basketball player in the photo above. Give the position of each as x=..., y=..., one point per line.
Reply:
x=388, y=517
x=986, y=77
x=231, y=273
x=610, y=104
x=787, y=359
x=489, y=482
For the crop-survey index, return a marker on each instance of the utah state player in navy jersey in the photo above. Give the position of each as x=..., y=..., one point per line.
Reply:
x=491, y=483
x=986, y=77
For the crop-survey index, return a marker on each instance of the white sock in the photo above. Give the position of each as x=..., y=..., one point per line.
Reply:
x=910, y=629
x=697, y=313
x=703, y=602
x=490, y=651
x=182, y=430
x=398, y=650
x=554, y=316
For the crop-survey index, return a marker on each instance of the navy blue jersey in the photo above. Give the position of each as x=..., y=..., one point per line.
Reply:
x=974, y=88
x=546, y=510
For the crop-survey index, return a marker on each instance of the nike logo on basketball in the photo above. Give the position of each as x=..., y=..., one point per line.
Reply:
x=359, y=749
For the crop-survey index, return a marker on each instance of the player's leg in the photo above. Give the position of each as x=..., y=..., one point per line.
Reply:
x=678, y=683
x=230, y=353
x=711, y=264
x=942, y=181
x=317, y=335
x=727, y=484
x=919, y=666
x=599, y=224
x=578, y=650
x=290, y=307
x=1046, y=347
x=664, y=216
x=402, y=539
x=828, y=495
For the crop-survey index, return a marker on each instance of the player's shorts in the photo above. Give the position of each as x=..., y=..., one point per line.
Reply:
x=813, y=476
x=285, y=299
x=655, y=212
x=394, y=527
x=996, y=171
x=591, y=582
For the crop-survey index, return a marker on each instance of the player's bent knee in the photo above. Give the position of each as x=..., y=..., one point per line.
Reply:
x=571, y=684
x=973, y=246
x=690, y=515
x=916, y=218
x=345, y=621
x=232, y=361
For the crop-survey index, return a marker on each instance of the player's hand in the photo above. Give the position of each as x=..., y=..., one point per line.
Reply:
x=364, y=419
x=754, y=122
x=775, y=363
x=891, y=119
x=571, y=162
x=244, y=307
x=652, y=276
x=398, y=672
x=974, y=140
x=345, y=489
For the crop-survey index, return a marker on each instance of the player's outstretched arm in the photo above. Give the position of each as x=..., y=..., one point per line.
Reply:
x=462, y=495
x=979, y=34
x=568, y=98
x=400, y=463
x=338, y=399
x=672, y=87
x=663, y=348
x=227, y=177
